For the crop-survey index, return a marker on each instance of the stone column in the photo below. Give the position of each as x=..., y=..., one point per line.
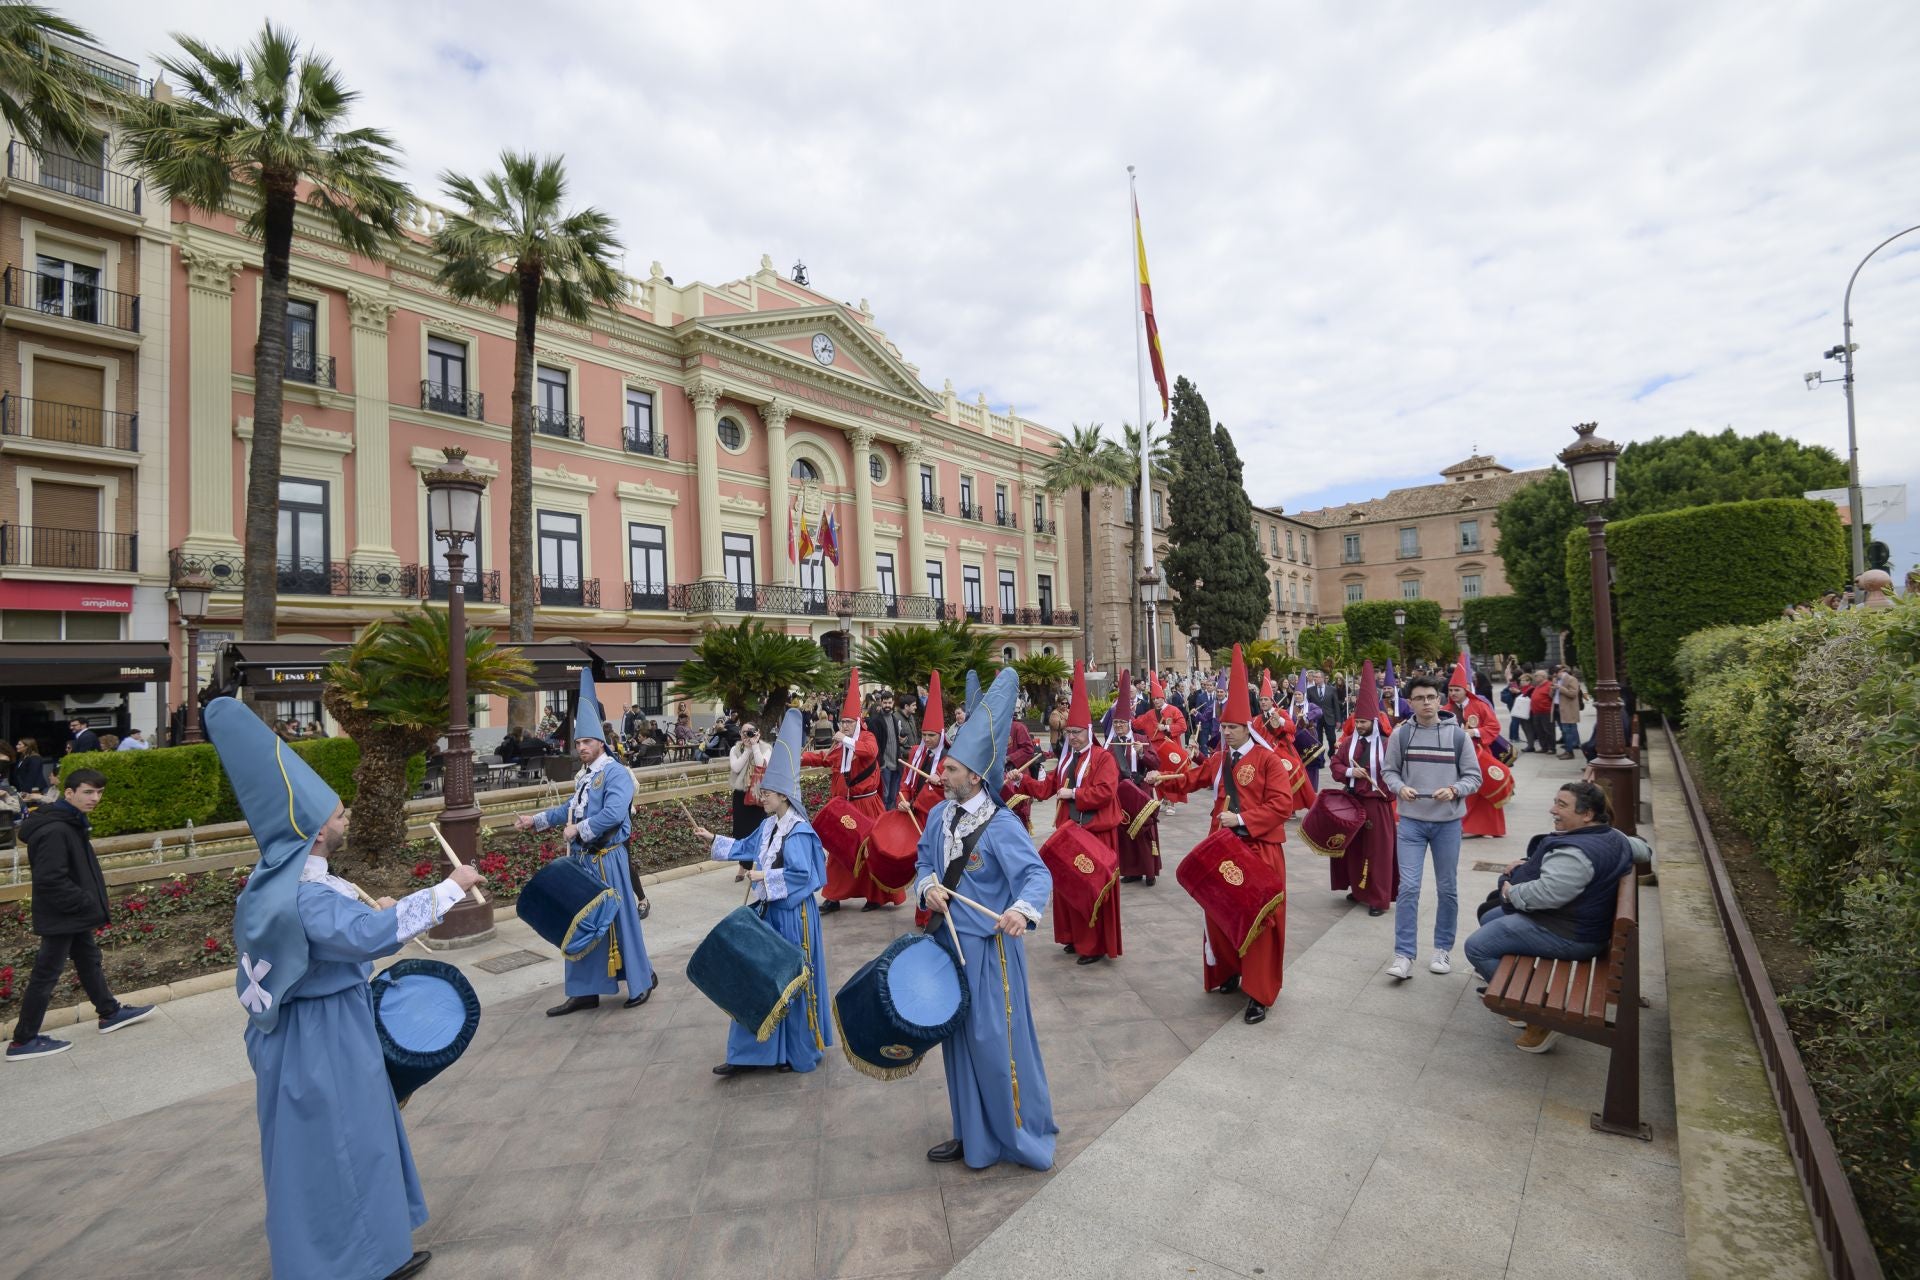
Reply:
x=913, y=575
x=372, y=461
x=705, y=394
x=210, y=397
x=773, y=415
x=862, y=441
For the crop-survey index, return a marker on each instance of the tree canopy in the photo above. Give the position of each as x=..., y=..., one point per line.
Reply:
x=1210, y=530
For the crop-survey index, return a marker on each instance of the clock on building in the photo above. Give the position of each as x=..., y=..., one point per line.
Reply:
x=823, y=348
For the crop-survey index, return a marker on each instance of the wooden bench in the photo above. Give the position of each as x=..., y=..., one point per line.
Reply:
x=1595, y=1000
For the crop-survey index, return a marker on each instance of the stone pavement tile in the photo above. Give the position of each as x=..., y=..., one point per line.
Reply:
x=974, y=1209
x=1608, y=1177
x=43, y=1229
x=873, y=1235
x=663, y=1124
x=1103, y=1248
x=1456, y=1152
x=773, y=1245
x=453, y=1147
x=1133, y=1077
x=1385, y=1072
x=1511, y=1107
x=526, y=1204
x=639, y=1250
x=1196, y=1030
x=1311, y=1150
x=1405, y=1222
x=490, y=1258
x=1088, y=1087
x=659, y=1184
x=1424, y=998
x=900, y=1164
x=550, y=1141
x=1569, y=1244
x=628, y=1050
x=691, y=1045
x=750, y=1117
x=1137, y=1038
x=1236, y=1227
x=749, y=1177
x=125, y=1240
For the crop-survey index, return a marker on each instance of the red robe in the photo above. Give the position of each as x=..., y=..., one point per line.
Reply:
x=858, y=785
x=1174, y=759
x=1138, y=857
x=1278, y=729
x=1483, y=817
x=1097, y=799
x=1370, y=866
x=1174, y=719
x=1266, y=802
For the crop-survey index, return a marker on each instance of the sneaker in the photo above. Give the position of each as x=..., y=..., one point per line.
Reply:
x=1536, y=1040
x=38, y=1047
x=125, y=1016
x=1441, y=963
x=1401, y=969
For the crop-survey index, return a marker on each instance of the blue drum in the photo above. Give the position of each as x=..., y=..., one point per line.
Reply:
x=569, y=905
x=749, y=970
x=425, y=1013
x=900, y=1005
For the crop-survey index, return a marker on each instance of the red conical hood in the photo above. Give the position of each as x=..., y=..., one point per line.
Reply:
x=1155, y=689
x=1367, y=705
x=1266, y=684
x=850, y=709
x=935, y=719
x=1078, y=716
x=1238, y=708
x=1461, y=676
x=1123, y=696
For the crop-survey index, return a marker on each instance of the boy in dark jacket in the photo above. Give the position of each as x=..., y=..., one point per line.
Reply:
x=69, y=903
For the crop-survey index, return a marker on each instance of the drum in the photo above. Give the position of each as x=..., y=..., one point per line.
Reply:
x=1502, y=750
x=1137, y=807
x=842, y=829
x=1307, y=741
x=749, y=970
x=1496, y=780
x=425, y=1013
x=1233, y=885
x=1084, y=869
x=1335, y=819
x=568, y=905
x=900, y=1005
x=892, y=850
x=1018, y=803
x=925, y=799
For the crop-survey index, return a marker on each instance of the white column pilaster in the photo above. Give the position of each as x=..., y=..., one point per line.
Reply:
x=210, y=397
x=862, y=440
x=705, y=394
x=913, y=575
x=372, y=472
x=774, y=415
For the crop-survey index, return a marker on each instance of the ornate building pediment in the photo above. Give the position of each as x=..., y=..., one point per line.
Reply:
x=851, y=354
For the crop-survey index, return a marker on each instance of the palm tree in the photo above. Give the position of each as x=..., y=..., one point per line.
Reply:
x=1324, y=648
x=1161, y=467
x=965, y=647
x=1087, y=461
x=270, y=119
x=1040, y=674
x=751, y=669
x=44, y=89
x=513, y=243
x=388, y=690
x=901, y=657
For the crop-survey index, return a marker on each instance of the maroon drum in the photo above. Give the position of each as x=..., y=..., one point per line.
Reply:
x=1236, y=888
x=1335, y=819
x=893, y=847
x=842, y=829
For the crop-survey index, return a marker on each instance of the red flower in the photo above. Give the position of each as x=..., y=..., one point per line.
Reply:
x=213, y=944
x=422, y=869
x=146, y=928
x=6, y=974
x=240, y=881
x=136, y=905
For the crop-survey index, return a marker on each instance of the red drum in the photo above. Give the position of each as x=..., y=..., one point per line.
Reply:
x=1137, y=807
x=1239, y=892
x=892, y=849
x=1335, y=819
x=842, y=829
x=925, y=799
x=1496, y=780
x=1084, y=869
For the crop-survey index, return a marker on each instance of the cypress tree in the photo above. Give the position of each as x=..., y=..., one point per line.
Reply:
x=1210, y=529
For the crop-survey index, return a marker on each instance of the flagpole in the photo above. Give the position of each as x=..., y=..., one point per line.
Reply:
x=1143, y=510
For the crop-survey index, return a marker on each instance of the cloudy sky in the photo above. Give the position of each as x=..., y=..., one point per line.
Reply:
x=1381, y=234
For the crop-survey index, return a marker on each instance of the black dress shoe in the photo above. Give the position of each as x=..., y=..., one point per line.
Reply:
x=642, y=997
x=733, y=1069
x=946, y=1152
x=784, y=1067
x=412, y=1265
x=829, y=907
x=1355, y=901
x=1149, y=882
x=1256, y=1012
x=1228, y=987
x=872, y=906
x=1089, y=959
x=1376, y=911
x=1129, y=879
x=573, y=1004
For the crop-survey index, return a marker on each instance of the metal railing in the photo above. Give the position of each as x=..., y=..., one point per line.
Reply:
x=818, y=602
x=937, y=505
x=46, y=548
x=310, y=367
x=1047, y=618
x=68, y=423
x=1836, y=1216
x=72, y=299
x=567, y=593
x=1006, y=519
x=441, y=397
x=73, y=176
x=971, y=511
x=114, y=77
x=305, y=575
x=651, y=443
x=1407, y=553
x=984, y=614
x=649, y=596
x=436, y=582
x=1046, y=528
x=551, y=422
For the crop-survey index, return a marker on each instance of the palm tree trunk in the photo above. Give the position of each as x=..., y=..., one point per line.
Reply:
x=260, y=587
x=1086, y=575
x=379, y=829
x=520, y=568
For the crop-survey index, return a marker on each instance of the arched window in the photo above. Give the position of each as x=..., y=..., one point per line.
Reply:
x=803, y=469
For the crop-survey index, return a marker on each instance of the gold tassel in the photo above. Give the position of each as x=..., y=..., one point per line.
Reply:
x=806, y=957
x=1253, y=933
x=780, y=1006
x=1006, y=989
x=866, y=1068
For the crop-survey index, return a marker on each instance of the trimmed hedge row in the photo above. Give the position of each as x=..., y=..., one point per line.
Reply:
x=1511, y=628
x=1677, y=572
x=1370, y=620
x=164, y=788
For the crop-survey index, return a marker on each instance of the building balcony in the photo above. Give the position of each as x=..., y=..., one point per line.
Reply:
x=56, y=304
x=648, y=597
x=1408, y=553
x=76, y=550
x=971, y=511
x=566, y=593
x=74, y=178
x=980, y=614
x=1046, y=528
x=928, y=502
x=389, y=580
x=1353, y=558
x=442, y=397
x=1043, y=617
x=652, y=444
x=566, y=426
x=1006, y=519
x=437, y=581
x=311, y=368
x=68, y=424
x=1471, y=548
x=804, y=602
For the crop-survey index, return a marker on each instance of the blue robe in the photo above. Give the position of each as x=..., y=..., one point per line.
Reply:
x=996, y=1083
x=603, y=803
x=788, y=891
x=343, y=1199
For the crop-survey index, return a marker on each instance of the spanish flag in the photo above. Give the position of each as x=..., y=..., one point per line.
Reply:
x=1146, y=301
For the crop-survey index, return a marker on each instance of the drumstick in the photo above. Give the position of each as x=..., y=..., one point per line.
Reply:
x=419, y=938
x=454, y=858
x=688, y=812
x=922, y=772
x=955, y=935
x=960, y=897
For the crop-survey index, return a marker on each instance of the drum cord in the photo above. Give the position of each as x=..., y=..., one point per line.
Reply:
x=1006, y=990
x=806, y=958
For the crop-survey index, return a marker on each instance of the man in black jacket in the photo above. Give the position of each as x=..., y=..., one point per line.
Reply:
x=69, y=903
x=84, y=738
x=890, y=732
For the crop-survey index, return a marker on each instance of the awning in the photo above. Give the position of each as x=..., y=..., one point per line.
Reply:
x=557, y=664
x=74, y=665
x=264, y=666
x=622, y=662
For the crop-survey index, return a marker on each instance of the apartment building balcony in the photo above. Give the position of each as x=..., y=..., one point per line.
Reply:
x=335, y=579
x=1042, y=618
x=1407, y=553
x=1006, y=519
x=310, y=367
x=57, y=428
x=70, y=308
x=566, y=593
x=1046, y=528
x=566, y=426
x=440, y=397
x=652, y=444
x=68, y=550
x=797, y=602
x=971, y=511
x=75, y=186
x=928, y=502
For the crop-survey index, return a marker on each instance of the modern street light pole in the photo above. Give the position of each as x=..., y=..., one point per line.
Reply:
x=1486, y=659
x=453, y=501
x=1590, y=463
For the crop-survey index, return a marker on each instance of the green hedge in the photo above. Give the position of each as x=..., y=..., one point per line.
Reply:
x=163, y=788
x=1678, y=572
x=1369, y=620
x=1807, y=733
x=1511, y=628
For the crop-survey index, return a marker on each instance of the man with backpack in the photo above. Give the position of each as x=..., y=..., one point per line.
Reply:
x=1431, y=768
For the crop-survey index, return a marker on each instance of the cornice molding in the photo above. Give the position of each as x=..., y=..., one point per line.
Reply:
x=425, y=459
x=559, y=477
x=296, y=434
x=648, y=492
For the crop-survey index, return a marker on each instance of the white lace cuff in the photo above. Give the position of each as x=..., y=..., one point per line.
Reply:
x=1026, y=909
x=418, y=912
x=775, y=884
x=723, y=848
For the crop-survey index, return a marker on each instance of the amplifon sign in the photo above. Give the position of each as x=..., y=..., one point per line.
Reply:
x=66, y=597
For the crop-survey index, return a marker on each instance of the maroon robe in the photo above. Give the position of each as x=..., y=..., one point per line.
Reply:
x=1370, y=866
x=1139, y=855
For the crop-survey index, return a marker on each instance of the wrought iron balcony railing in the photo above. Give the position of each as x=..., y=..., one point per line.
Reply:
x=1047, y=617
x=647, y=596
x=1006, y=519
x=651, y=443
x=68, y=423
x=84, y=549
x=444, y=397
x=1046, y=528
x=53, y=295
x=482, y=586
x=74, y=176
x=310, y=367
x=568, y=593
x=305, y=575
x=551, y=422
x=971, y=511
x=937, y=505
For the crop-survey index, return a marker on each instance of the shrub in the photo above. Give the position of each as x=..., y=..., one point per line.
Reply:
x=1370, y=620
x=1511, y=628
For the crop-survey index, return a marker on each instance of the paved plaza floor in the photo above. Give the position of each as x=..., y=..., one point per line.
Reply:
x=1365, y=1128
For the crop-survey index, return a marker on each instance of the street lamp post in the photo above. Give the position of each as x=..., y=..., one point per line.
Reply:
x=1486, y=658
x=453, y=503
x=846, y=627
x=1590, y=463
x=1113, y=655
x=1193, y=653
x=191, y=590
x=1400, y=629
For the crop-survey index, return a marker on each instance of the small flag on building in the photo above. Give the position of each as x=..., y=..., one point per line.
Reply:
x=829, y=538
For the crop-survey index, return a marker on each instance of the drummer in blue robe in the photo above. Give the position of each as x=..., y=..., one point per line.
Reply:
x=787, y=866
x=596, y=823
x=343, y=1200
x=996, y=1083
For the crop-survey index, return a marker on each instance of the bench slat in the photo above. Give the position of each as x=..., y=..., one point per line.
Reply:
x=1537, y=984
x=1502, y=977
x=1556, y=997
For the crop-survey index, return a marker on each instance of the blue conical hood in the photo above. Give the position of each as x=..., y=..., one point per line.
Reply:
x=981, y=744
x=588, y=721
x=783, y=770
x=973, y=693
x=285, y=804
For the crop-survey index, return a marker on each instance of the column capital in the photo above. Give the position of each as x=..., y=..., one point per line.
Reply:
x=369, y=310
x=862, y=438
x=912, y=452
x=704, y=392
x=208, y=271
x=774, y=413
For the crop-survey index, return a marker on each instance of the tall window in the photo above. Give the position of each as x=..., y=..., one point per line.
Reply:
x=1132, y=505
x=1469, y=535
x=440, y=577
x=1306, y=551
x=970, y=590
x=1350, y=548
x=446, y=376
x=1039, y=512
x=68, y=289
x=647, y=565
x=1409, y=588
x=1009, y=605
x=551, y=401
x=1409, y=542
x=1159, y=509
x=304, y=567
x=1469, y=586
x=736, y=551
x=813, y=584
x=1289, y=544
x=559, y=551
x=1000, y=503
x=303, y=340
x=966, y=495
x=78, y=171
x=1356, y=592
x=1273, y=538
x=889, y=588
x=936, y=580
x=926, y=486
x=1279, y=597
x=1046, y=595
x=637, y=430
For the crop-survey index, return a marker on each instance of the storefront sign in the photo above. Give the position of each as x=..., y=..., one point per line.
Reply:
x=66, y=597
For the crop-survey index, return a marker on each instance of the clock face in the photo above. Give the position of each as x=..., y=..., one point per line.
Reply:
x=823, y=348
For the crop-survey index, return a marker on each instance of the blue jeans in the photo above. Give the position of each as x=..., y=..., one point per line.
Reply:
x=890, y=785
x=1569, y=735
x=1415, y=838
x=1512, y=933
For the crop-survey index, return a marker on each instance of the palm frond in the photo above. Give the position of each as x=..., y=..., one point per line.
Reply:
x=44, y=89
